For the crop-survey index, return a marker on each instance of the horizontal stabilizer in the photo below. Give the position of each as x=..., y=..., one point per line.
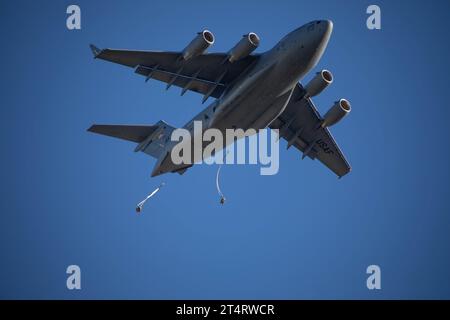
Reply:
x=133, y=133
x=183, y=169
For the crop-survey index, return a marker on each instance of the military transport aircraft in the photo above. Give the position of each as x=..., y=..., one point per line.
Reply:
x=251, y=90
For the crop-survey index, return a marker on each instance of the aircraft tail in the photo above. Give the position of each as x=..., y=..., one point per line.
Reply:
x=151, y=139
x=125, y=132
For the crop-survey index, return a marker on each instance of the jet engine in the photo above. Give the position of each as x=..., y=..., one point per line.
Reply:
x=196, y=47
x=338, y=111
x=244, y=47
x=320, y=81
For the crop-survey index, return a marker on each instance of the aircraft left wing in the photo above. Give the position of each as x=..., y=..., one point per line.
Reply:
x=300, y=125
x=206, y=74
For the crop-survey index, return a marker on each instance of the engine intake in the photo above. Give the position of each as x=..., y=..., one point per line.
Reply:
x=320, y=81
x=196, y=47
x=336, y=113
x=244, y=47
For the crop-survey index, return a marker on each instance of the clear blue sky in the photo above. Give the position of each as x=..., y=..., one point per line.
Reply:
x=68, y=197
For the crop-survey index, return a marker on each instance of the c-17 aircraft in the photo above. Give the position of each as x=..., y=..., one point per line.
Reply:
x=251, y=90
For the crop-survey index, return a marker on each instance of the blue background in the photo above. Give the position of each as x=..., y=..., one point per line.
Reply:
x=68, y=196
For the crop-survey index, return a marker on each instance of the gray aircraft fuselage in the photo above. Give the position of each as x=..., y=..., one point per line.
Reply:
x=261, y=93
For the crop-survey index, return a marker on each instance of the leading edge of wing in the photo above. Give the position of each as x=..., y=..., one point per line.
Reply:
x=133, y=58
x=95, y=51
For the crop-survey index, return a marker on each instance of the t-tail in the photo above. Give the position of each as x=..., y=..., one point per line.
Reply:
x=152, y=140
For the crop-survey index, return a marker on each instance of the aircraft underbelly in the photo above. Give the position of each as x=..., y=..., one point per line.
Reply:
x=260, y=100
x=259, y=108
x=256, y=113
x=253, y=105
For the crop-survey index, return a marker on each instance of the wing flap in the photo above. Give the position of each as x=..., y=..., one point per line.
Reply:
x=187, y=82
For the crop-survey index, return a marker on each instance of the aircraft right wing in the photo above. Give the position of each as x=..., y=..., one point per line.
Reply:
x=300, y=123
x=206, y=74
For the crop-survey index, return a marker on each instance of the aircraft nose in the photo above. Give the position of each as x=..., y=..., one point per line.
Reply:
x=316, y=35
x=325, y=27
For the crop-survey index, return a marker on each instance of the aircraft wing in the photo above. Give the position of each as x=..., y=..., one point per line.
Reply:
x=300, y=123
x=205, y=74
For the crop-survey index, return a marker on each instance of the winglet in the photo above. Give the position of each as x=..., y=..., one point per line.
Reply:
x=96, y=51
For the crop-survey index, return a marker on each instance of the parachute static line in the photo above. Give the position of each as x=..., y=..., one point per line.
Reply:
x=222, y=197
x=140, y=205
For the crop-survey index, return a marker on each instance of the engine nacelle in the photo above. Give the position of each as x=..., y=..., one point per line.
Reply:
x=244, y=47
x=338, y=111
x=199, y=45
x=317, y=84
